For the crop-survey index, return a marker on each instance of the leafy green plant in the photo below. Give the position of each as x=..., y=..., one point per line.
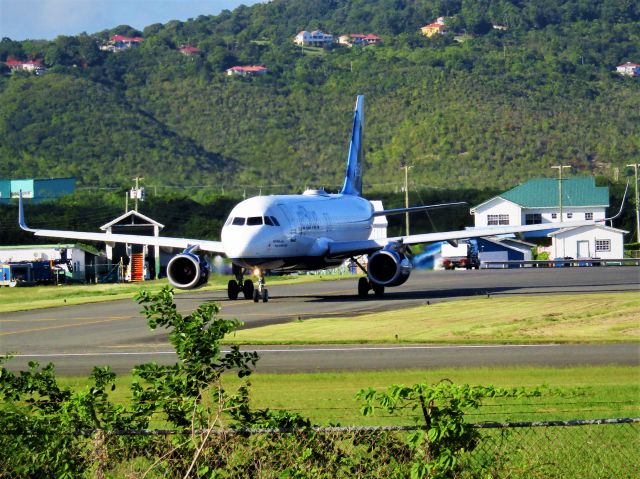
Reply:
x=445, y=436
x=46, y=429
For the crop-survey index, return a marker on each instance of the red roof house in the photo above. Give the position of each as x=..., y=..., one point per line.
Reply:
x=245, y=71
x=34, y=66
x=188, y=50
x=629, y=69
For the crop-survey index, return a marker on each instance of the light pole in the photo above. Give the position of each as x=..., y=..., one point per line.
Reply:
x=406, y=195
x=635, y=167
x=560, y=168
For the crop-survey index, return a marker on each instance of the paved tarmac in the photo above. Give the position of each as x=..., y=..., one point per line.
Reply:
x=77, y=337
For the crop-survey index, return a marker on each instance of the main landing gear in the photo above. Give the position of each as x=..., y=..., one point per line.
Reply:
x=235, y=286
x=364, y=285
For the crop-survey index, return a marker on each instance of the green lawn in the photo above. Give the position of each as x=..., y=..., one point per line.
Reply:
x=590, y=392
x=606, y=317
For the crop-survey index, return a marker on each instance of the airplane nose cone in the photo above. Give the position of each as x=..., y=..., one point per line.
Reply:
x=244, y=242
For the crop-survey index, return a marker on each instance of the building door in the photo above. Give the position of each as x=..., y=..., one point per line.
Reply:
x=583, y=249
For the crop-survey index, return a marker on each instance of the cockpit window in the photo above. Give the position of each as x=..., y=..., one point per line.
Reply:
x=237, y=221
x=267, y=221
x=275, y=221
x=254, y=221
x=229, y=220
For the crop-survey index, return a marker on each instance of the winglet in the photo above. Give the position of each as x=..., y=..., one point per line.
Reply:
x=353, y=178
x=21, y=221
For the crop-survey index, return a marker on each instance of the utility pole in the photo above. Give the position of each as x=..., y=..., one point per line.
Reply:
x=406, y=195
x=635, y=167
x=560, y=168
x=137, y=191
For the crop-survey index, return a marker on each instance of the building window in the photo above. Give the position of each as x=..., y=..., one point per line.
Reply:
x=533, y=219
x=603, y=245
x=495, y=220
x=569, y=215
x=588, y=216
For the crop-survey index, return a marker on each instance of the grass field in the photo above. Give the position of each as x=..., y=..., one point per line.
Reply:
x=329, y=398
x=606, y=317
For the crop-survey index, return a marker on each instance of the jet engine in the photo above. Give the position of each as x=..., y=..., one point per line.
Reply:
x=389, y=266
x=188, y=271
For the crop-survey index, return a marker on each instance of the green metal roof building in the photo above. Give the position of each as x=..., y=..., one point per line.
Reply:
x=538, y=201
x=544, y=193
x=36, y=189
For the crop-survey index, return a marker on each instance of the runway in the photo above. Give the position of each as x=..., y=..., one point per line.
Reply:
x=77, y=337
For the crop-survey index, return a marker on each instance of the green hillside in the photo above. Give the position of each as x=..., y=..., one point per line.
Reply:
x=476, y=107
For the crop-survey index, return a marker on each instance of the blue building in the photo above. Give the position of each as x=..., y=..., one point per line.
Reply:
x=36, y=189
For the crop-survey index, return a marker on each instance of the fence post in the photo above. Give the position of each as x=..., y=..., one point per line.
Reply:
x=100, y=453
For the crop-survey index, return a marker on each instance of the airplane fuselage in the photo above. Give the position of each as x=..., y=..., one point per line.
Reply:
x=293, y=232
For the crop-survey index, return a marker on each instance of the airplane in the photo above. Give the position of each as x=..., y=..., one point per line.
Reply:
x=309, y=231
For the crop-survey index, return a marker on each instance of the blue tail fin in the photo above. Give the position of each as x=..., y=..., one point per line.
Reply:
x=353, y=178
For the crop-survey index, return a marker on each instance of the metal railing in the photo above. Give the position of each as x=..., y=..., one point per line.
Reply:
x=560, y=263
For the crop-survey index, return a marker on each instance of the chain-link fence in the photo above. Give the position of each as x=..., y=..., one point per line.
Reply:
x=594, y=449
x=568, y=449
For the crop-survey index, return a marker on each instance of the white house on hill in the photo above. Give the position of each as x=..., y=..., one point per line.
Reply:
x=315, y=38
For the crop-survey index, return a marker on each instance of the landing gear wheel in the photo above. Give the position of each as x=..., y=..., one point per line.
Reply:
x=378, y=290
x=363, y=287
x=256, y=296
x=232, y=289
x=265, y=295
x=247, y=289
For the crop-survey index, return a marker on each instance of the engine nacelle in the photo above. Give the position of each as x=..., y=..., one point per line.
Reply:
x=389, y=266
x=187, y=271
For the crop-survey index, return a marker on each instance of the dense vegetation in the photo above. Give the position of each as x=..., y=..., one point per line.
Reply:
x=476, y=107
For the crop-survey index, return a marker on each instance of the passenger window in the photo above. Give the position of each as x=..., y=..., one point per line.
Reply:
x=254, y=221
x=267, y=221
x=238, y=221
x=275, y=221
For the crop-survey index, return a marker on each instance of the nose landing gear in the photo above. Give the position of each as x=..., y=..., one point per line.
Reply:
x=261, y=292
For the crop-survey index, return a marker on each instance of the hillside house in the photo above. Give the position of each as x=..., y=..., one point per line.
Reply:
x=537, y=202
x=315, y=38
x=31, y=66
x=629, y=69
x=120, y=42
x=189, y=50
x=434, y=28
x=359, y=39
x=247, y=71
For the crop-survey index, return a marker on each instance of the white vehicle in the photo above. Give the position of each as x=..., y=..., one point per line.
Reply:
x=310, y=231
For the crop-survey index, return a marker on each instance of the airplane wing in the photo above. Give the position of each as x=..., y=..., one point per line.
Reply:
x=413, y=209
x=345, y=249
x=183, y=243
